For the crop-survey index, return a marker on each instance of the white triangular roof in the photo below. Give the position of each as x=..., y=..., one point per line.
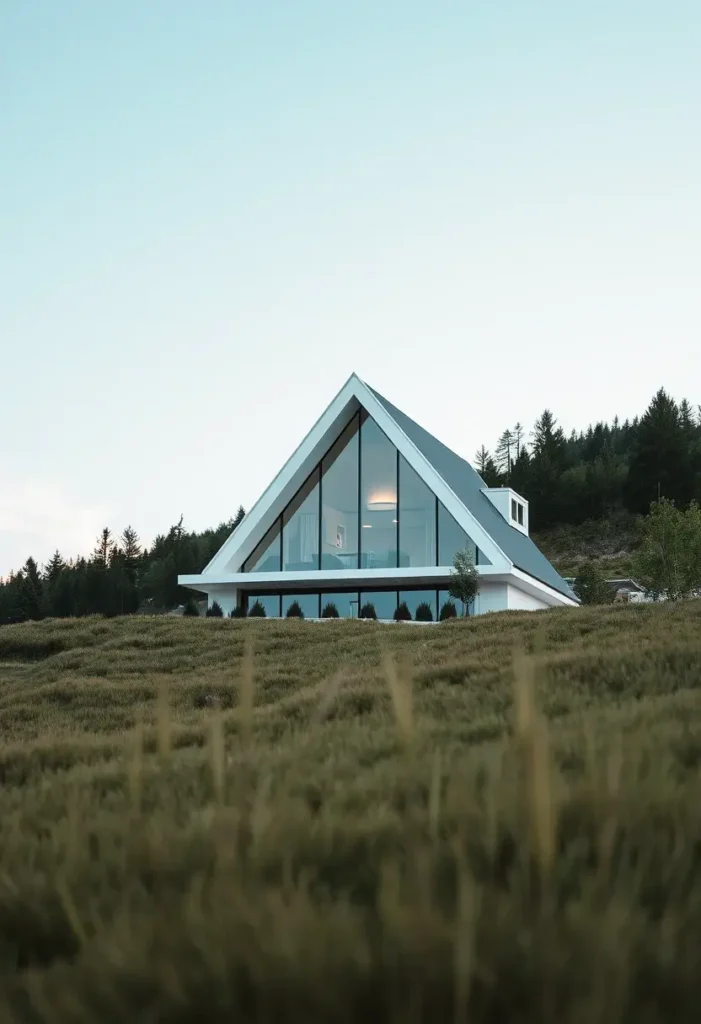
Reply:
x=309, y=453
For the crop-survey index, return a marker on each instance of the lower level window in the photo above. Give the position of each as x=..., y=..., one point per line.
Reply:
x=422, y=603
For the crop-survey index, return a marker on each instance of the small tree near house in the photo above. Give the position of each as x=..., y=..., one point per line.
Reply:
x=464, y=579
x=215, y=611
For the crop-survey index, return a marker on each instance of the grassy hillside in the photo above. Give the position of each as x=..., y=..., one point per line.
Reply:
x=287, y=821
x=611, y=543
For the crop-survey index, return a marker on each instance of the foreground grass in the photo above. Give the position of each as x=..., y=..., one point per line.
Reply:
x=277, y=821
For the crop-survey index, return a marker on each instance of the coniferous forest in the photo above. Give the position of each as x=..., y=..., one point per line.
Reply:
x=604, y=472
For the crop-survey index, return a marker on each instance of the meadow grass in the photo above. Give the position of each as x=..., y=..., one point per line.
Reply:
x=486, y=821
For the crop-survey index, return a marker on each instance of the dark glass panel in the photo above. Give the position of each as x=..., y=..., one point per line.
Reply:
x=271, y=603
x=346, y=603
x=451, y=538
x=266, y=556
x=414, y=598
x=308, y=602
x=385, y=602
x=339, y=501
x=300, y=528
x=417, y=519
x=378, y=498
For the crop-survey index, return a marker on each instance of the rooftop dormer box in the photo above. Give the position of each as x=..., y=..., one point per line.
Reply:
x=511, y=505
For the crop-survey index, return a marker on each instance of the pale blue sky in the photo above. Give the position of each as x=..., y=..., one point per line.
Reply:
x=211, y=213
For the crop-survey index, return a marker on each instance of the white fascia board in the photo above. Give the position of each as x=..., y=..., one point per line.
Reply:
x=287, y=482
x=434, y=575
x=338, y=414
x=531, y=585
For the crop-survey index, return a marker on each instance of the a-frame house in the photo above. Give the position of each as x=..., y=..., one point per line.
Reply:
x=370, y=509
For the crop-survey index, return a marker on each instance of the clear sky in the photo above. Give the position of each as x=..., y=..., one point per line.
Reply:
x=211, y=213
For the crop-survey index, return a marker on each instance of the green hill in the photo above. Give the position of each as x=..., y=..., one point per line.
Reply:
x=287, y=821
x=611, y=543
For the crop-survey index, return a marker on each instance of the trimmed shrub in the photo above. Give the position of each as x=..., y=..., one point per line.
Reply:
x=424, y=612
x=330, y=611
x=237, y=612
x=368, y=611
x=295, y=611
x=256, y=611
x=402, y=613
x=448, y=611
x=190, y=607
x=215, y=611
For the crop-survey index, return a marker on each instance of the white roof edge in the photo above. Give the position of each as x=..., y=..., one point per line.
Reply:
x=354, y=388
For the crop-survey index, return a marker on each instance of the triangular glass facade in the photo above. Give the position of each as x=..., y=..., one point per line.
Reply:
x=363, y=507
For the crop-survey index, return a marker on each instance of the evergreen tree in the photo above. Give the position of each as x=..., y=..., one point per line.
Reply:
x=518, y=435
x=30, y=591
x=660, y=465
x=487, y=467
x=548, y=462
x=101, y=554
x=53, y=568
x=238, y=517
x=131, y=548
x=521, y=473
x=505, y=454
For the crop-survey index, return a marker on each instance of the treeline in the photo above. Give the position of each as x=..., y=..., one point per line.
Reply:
x=594, y=474
x=607, y=469
x=119, y=578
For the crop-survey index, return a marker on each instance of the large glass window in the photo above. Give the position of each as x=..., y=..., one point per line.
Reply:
x=451, y=538
x=444, y=598
x=417, y=518
x=308, y=602
x=266, y=557
x=300, y=528
x=414, y=598
x=346, y=603
x=270, y=602
x=339, y=501
x=378, y=498
x=384, y=601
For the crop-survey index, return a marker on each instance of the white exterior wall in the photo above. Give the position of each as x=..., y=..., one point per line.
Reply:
x=519, y=600
x=492, y=597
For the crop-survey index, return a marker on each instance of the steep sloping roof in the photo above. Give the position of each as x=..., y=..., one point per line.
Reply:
x=467, y=485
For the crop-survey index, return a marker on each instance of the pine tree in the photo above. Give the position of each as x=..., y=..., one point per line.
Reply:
x=131, y=548
x=660, y=464
x=239, y=516
x=504, y=453
x=487, y=467
x=31, y=591
x=687, y=419
x=54, y=568
x=518, y=435
x=103, y=545
x=548, y=462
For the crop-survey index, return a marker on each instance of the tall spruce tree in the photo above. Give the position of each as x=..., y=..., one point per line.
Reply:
x=31, y=591
x=239, y=516
x=661, y=462
x=487, y=467
x=505, y=454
